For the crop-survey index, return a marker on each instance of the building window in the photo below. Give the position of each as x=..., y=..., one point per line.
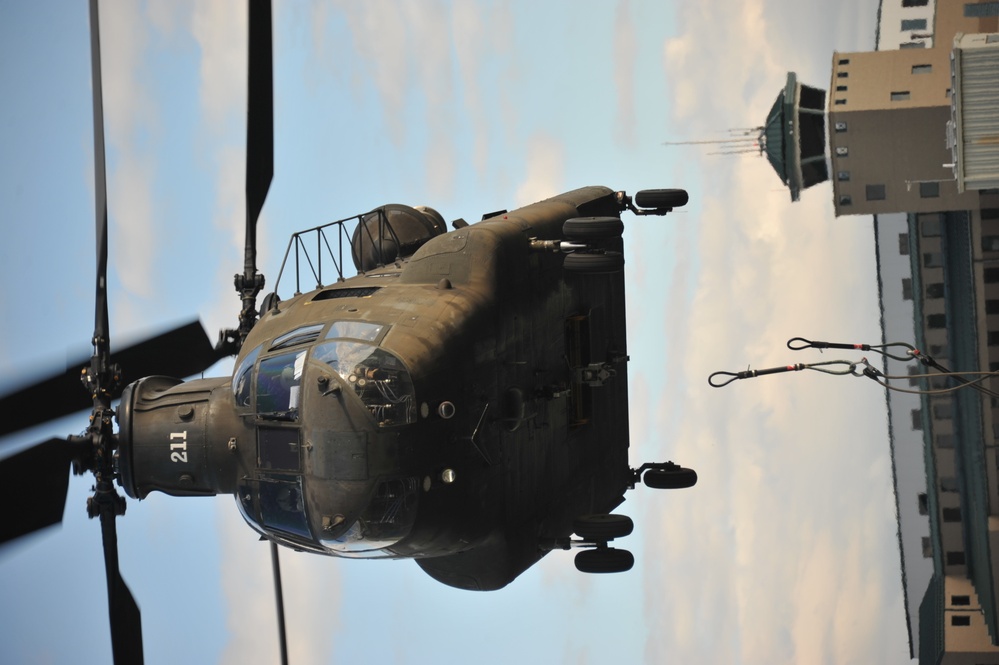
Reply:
x=914, y=375
x=917, y=421
x=991, y=275
x=981, y=9
x=994, y=338
x=990, y=213
x=840, y=102
x=924, y=506
x=945, y=440
x=932, y=260
x=960, y=620
x=929, y=224
x=840, y=127
x=951, y=514
x=960, y=600
x=843, y=176
x=841, y=88
x=990, y=243
x=922, y=69
x=948, y=484
x=929, y=190
x=842, y=151
x=934, y=291
x=842, y=75
x=913, y=24
x=914, y=3
x=912, y=45
x=846, y=200
x=955, y=558
x=992, y=306
x=903, y=244
x=907, y=291
x=936, y=321
x=844, y=61
x=943, y=411
x=875, y=192
x=900, y=96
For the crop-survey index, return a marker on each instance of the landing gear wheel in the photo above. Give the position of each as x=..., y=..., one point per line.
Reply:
x=677, y=478
x=592, y=228
x=661, y=198
x=602, y=527
x=594, y=263
x=604, y=560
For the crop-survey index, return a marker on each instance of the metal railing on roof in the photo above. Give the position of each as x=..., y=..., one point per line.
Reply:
x=312, y=246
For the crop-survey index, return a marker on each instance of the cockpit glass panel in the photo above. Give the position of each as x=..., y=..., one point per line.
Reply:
x=387, y=519
x=282, y=506
x=278, y=448
x=242, y=379
x=378, y=378
x=298, y=336
x=279, y=386
x=362, y=330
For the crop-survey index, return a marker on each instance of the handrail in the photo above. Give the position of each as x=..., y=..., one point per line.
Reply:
x=314, y=266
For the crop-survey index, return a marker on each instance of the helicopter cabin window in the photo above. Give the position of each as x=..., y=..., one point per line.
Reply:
x=377, y=377
x=242, y=379
x=282, y=506
x=362, y=330
x=278, y=448
x=298, y=336
x=278, y=386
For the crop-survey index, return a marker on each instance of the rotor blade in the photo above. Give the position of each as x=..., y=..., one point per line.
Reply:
x=101, y=343
x=259, y=125
x=279, y=598
x=33, y=485
x=181, y=352
x=126, y=621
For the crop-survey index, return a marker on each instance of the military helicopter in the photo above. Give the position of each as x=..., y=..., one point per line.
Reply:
x=462, y=400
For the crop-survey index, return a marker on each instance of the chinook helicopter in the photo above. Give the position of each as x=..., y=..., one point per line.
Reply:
x=461, y=400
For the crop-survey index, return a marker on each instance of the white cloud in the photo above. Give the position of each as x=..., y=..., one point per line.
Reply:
x=545, y=172
x=625, y=55
x=786, y=516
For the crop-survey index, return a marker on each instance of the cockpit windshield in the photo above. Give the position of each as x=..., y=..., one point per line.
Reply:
x=386, y=520
x=378, y=377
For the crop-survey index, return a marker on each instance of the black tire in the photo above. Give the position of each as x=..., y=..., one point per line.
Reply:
x=594, y=262
x=604, y=560
x=602, y=527
x=661, y=198
x=677, y=478
x=592, y=228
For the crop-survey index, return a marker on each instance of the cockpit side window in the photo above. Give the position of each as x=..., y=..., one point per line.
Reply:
x=282, y=505
x=298, y=336
x=279, y=386
x=242, y=380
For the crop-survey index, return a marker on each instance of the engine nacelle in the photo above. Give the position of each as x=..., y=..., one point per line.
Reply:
x=178, y=438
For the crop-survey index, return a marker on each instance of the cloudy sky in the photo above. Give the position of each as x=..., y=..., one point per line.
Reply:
x=784, y=552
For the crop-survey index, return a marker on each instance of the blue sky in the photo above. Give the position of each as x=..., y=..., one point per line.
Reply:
x=784, y=552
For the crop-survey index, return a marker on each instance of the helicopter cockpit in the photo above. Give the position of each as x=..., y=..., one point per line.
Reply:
x=376, y=376
x=267, y=385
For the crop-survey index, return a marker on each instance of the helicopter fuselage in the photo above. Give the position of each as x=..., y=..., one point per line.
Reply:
x=459, y=406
